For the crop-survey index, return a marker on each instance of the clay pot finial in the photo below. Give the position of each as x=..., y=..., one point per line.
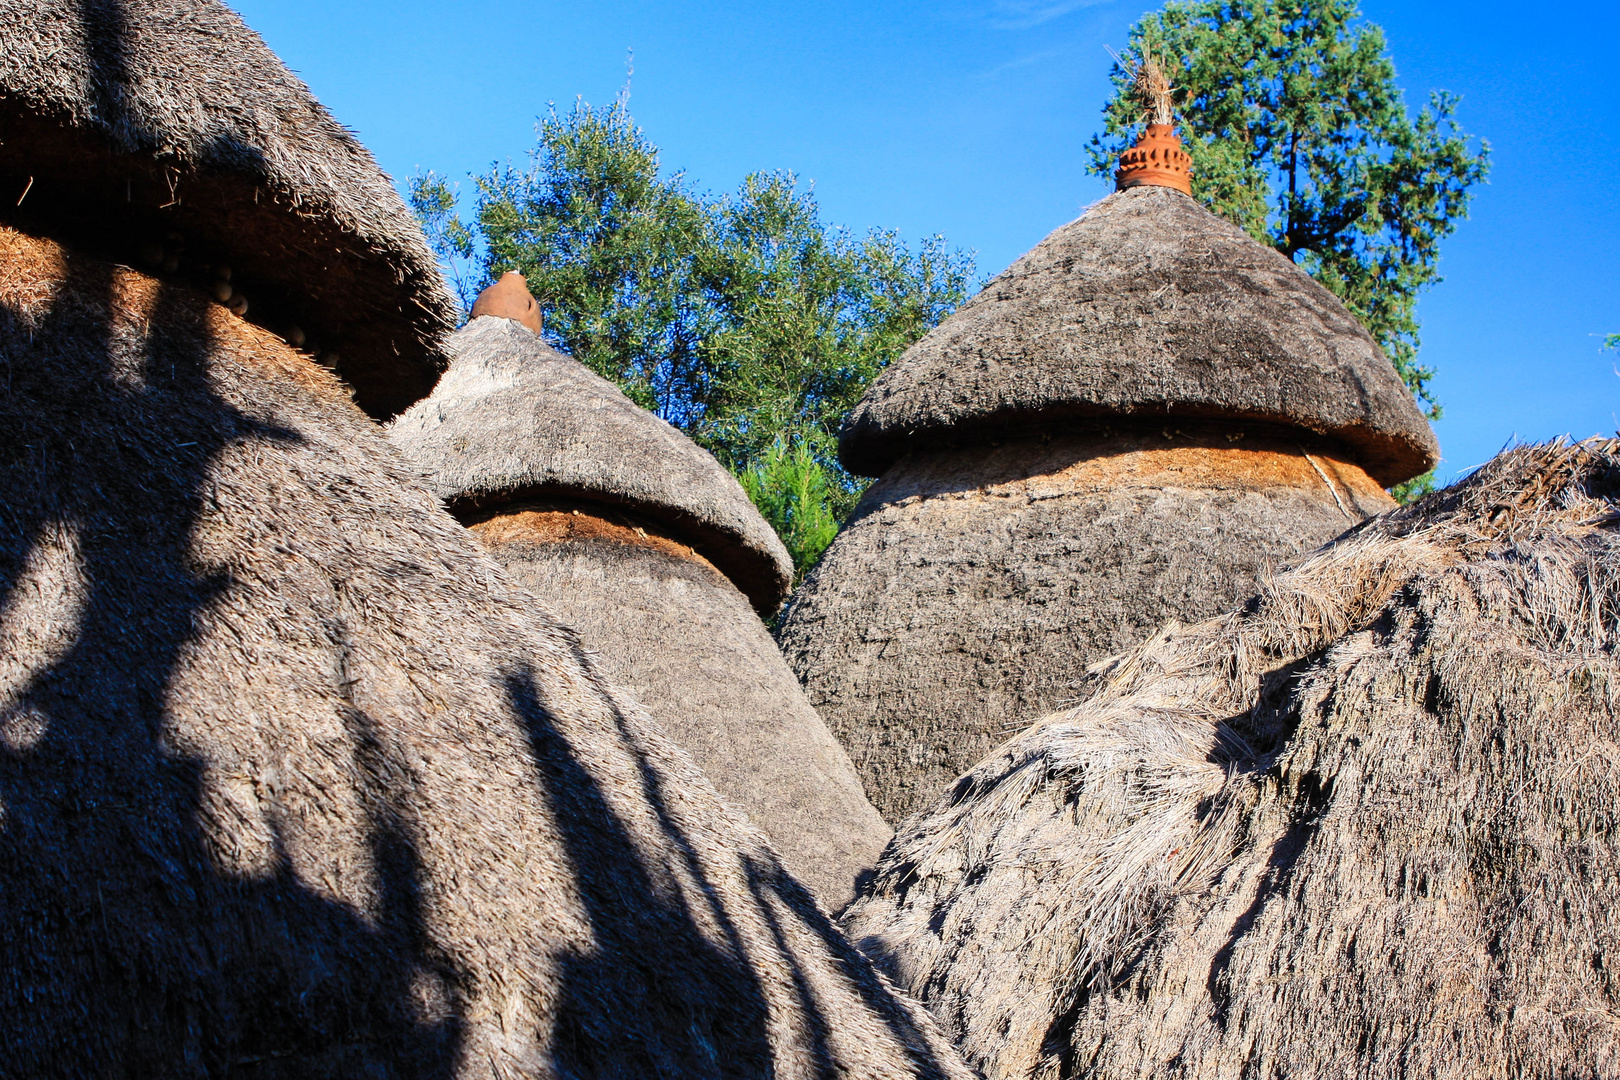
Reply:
x=1157, y=159
x=509, y=298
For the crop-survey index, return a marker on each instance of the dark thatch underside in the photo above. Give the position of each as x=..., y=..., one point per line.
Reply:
x=295, y=783
x=128, y=123
x=675, y=632
x=1368, y=826
x=967, y=596
x=514, y=418
x=1147, y=306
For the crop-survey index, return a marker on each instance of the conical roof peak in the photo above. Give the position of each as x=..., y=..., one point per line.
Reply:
x=513, y=418
x=1146, y=306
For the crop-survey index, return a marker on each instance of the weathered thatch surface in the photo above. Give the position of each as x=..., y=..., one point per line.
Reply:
x=167, y=124
x=968, y=593
x=1364, y=827
x=636, y=540
x=1146, y=305
x=672, y=629
x=515, y=418
x=295, y=783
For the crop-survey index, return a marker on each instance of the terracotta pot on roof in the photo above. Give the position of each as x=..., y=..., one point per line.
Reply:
x=347, y=801
x=509, y=298
x=1157, y=159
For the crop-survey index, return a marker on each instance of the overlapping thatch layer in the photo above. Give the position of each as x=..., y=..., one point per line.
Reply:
x=295, y=783
x=1147, y=305
x=1368, y=825
x=164, y=132
x=1133, y=422
x=640, y=540
x=513, y=418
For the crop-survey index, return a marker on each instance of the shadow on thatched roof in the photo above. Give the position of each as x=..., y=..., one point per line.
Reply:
x=1149, y=306
x=167, y=127
x=515, y=418
x=1363, y=826
x=295, y=783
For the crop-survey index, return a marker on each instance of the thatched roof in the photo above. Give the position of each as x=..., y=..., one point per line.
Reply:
x=514, y=418
x=167, y=126
x=968, y=594
x=1364, y=826
x=297, y=783
x=1148, y=305
x=671, y=629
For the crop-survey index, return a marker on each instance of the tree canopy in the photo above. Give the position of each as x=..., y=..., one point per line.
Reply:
x=740, y=318
x=1299, y=134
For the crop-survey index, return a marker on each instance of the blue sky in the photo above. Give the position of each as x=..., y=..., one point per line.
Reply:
x=968, y=118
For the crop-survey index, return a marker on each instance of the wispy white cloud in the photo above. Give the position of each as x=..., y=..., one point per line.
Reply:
x=1023, y=14
x=1032, y=60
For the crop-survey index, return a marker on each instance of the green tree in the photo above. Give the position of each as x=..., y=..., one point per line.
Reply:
x=797, y=494
x=609, y=247
x=433, y=198
x=1299, y=134
x=807, y=318
x=742, y=319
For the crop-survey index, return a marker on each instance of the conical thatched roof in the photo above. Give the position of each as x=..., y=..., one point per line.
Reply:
x=513, y=418
x=512, y=414
x=152, y=130
x=296, y=783
x=1148, y=306
x=1364, y=826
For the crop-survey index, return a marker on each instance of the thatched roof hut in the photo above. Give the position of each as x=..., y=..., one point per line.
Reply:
x=1134, y=421
x=164, y=134
x=636, y=537
x=1363, y=826
x=294, y=782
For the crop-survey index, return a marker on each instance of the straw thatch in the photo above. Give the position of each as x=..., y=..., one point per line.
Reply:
x=1131, y=424
x=295, y=783
x=1363, y=827
x=968, y=594
x=164, y=131
x=487, y=437
x=671, y=628
x=1147, y=305
x=512, y=414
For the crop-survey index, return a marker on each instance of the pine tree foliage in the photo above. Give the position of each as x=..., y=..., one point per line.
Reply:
x=795, y=491
x=1299, y=134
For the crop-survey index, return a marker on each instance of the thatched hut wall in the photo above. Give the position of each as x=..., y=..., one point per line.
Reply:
x=1364, y=826
x=673, y=629
x=294, y=782
x=637, y=537
x=165, y=134
x=969, y=593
